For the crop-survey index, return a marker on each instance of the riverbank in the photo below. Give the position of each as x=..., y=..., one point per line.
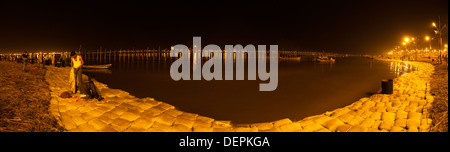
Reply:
x=439, y=88
x=24, y=100
x=405, y=110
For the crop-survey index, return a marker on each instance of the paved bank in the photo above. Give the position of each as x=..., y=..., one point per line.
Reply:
x=405, y=110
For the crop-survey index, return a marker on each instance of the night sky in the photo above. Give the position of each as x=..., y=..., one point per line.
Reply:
x=355, y=27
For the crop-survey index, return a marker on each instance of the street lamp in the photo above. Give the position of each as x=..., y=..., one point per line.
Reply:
x=406, y=48
x=438, y=30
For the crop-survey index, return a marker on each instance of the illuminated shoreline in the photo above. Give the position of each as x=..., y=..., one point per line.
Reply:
x=405, y=110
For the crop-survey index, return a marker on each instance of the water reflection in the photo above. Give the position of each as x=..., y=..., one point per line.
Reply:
x=401, y=68
x=302, y=84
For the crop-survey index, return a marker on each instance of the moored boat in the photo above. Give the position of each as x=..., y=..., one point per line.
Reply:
x=105, y=66
x=325, y=59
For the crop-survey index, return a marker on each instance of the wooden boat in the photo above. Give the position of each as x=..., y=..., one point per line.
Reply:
x=325, y=59
x=291, y=58
x=104, y=71
x=105, y=66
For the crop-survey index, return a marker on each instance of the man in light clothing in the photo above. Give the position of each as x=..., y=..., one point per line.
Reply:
x=76, y=63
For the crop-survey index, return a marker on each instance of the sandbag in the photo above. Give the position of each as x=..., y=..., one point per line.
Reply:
x=66, y=94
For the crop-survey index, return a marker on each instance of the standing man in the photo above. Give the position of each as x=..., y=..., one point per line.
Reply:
x=25, y=60
x=40, y=60
x=76, y=63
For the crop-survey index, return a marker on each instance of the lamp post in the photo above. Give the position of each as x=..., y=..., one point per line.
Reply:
x=438, y=30
x=405, y=43
x=427, y=38
x=404, y=54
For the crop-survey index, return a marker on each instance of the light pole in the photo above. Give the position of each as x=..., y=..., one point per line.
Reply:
x=405, y=43
x=427, y=38
x=438, y=30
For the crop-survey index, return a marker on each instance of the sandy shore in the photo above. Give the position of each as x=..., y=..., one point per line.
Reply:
x=407, y=109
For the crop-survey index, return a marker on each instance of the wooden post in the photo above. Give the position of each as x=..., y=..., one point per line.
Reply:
x=110, y=55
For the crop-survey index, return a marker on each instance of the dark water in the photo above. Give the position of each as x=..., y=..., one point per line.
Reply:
x=305, y=88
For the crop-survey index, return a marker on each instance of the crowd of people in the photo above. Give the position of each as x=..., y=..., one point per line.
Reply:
x=56, y=59
x=87, y=89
